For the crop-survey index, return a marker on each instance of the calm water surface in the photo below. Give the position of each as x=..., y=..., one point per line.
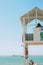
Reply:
x=16, y=60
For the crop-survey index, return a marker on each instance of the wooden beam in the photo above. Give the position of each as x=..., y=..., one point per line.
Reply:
x=34, y=43
x=34, y=17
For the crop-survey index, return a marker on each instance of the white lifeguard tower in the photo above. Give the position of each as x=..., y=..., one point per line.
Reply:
x=35, y=38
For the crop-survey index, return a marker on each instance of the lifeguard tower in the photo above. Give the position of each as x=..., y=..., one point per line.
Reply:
x=35, y=38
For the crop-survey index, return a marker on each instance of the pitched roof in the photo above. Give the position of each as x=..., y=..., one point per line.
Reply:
x=35, y=13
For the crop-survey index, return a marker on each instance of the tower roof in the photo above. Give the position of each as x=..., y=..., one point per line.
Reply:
x=35, y=13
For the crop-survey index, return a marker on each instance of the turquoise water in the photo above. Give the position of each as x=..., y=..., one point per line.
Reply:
x=16, y=60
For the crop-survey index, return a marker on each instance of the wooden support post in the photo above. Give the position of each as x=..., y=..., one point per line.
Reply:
x=25, y=46
x=26, y=54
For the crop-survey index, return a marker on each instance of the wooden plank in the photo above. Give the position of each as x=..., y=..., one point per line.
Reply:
x=34, y=42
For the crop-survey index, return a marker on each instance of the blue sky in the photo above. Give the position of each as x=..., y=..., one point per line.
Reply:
x=11, y=28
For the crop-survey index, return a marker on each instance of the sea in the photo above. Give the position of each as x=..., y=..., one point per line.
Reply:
x=19, y=60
